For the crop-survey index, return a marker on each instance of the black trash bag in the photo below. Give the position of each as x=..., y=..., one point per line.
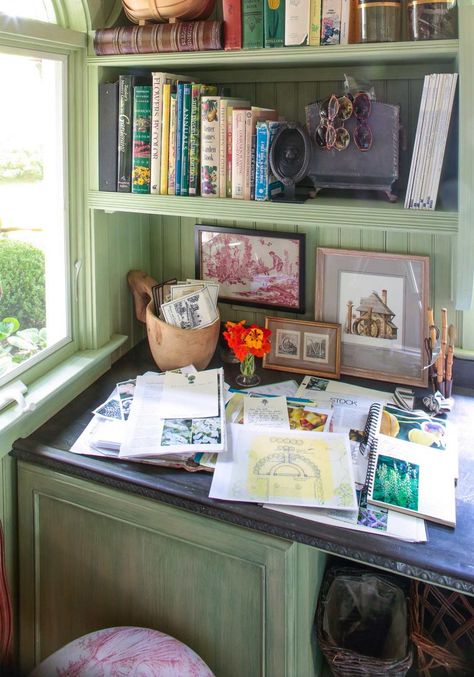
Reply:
x=367, y=614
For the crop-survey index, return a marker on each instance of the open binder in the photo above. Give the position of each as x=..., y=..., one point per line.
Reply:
x=408, y=477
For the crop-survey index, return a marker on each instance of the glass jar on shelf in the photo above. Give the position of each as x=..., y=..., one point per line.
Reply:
x=430, y=20
x=379, y=20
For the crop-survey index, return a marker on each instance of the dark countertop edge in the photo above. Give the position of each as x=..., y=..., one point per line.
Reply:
x=275, y=524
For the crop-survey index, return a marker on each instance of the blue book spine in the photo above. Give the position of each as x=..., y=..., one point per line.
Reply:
x=261, y=161
x=179, y=134
x=266, y=184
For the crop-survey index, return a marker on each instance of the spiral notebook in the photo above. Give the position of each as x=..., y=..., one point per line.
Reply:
x=411, y=478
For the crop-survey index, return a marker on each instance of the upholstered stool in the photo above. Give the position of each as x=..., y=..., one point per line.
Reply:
x=123, y=652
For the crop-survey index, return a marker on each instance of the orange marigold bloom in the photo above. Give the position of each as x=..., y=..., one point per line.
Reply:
x=244, y=340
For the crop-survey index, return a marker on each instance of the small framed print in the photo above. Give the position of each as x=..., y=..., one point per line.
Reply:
x=260, y=268
x=304, y=347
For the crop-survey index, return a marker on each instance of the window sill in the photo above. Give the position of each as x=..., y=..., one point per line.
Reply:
x=52, y=391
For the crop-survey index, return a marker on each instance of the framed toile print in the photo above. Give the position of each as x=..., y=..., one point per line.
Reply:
x=264, y=269
x=381, y=302
x=304, y=347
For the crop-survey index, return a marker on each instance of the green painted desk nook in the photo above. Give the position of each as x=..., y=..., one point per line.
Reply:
x=107, y=543
x=103, y=543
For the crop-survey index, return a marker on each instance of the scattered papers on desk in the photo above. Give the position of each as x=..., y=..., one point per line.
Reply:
x=286, y=388
x=149, y=434
x=292, y=468
x=385, y=523
x=266, y=411
x=312, y=385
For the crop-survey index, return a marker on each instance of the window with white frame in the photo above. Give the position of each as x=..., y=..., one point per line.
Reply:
x=34, y=289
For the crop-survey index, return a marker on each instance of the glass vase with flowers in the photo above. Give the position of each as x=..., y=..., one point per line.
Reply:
x=247, y=343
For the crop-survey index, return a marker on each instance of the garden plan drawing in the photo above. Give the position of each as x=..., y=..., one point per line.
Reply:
x=291, y=467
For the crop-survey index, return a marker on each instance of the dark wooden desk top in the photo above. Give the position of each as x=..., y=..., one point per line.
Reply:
x=446, y=559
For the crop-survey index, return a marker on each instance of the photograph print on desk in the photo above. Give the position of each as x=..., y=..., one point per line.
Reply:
x=381, y=301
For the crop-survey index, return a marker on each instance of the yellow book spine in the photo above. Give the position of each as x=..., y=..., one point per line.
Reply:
x=165, y=135
x=314, y=22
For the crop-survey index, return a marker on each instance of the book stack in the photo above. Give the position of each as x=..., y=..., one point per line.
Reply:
x=166, y=134
x=252, y=24
x=430, y=140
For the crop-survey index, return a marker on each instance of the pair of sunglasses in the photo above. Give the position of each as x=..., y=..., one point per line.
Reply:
x=361, y=107
x=334, y=111
x=331, y=133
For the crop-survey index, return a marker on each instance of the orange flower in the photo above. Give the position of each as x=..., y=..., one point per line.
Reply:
x=244, y=340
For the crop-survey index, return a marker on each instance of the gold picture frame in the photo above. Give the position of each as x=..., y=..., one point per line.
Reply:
x=304, y=347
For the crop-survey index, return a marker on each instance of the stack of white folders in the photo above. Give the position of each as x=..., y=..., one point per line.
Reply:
x=430, y=140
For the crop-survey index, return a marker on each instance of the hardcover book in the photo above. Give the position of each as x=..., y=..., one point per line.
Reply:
x=274, y=23
x=224, y=104
x=165, y=136
x=186, y=129
x=266, y=184
x=232, y=17
x=296, y=22
x=238, y=144
x=185, y=36
x=256, y=113
x=141, y=152
x=331, y=22
x=125, y=129
x=172, y=147
x=314, y=23
x=252, y=24
x=108, y=138
x=197, y=91
x=179, y=133
x=210, y=138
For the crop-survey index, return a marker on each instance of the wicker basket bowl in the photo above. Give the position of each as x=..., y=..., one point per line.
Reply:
x=140, y=11
x=345, y=662
x=442, y=631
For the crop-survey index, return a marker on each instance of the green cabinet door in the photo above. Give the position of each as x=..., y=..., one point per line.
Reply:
x=94, y=557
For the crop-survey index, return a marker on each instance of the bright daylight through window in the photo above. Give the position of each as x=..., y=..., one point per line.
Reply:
x=34, y=318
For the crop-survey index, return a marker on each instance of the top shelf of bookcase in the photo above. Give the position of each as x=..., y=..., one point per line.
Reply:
x=288, y=57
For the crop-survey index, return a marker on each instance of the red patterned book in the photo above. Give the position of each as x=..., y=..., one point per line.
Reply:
x=232, y=17
x=188, y=36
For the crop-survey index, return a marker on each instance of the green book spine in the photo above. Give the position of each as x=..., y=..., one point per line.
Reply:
x=185, y=139
x=141, y=155
x=194, y=139
x=274, y=23
x=252, y=24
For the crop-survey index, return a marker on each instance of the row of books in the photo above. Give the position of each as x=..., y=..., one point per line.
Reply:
x=252, y=24
x=430, y=140
x=173, y=136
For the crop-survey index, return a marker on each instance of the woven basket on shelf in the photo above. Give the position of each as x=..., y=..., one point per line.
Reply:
x=347, y=663
x=442, y=630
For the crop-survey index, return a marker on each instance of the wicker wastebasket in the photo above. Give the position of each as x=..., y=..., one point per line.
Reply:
x=346, y=662
x=442, y=631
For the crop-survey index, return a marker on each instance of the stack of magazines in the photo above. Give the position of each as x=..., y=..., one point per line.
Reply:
x=430, y=140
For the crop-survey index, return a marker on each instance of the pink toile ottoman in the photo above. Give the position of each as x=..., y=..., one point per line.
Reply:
x=123, y=652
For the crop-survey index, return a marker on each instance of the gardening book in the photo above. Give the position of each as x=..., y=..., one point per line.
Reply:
x=124, y=133
x=255, y=113
x=141, y=139
x=232, y=18
x=185, y=134
x=274, y=23
x=411, y=478
x=296, y=22
x=210, y=138
x=252, y=24
x=172, y=147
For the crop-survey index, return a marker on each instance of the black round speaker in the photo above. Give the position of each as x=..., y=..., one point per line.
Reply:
x=290, y=153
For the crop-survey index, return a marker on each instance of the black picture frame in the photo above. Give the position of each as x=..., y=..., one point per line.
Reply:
x=258, y=268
